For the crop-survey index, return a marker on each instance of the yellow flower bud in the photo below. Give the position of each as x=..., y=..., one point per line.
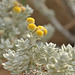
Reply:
x=45, y=31
x=39, y=33
x=41, y=27
x=30, y=20
x=37, y=28
x=16, y=9
x=23, y=9
x=31, y=27
x=16, y=3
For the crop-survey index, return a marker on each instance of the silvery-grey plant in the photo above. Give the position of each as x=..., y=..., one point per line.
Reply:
x=26, y=56
x=12, y=25
x=30, y=58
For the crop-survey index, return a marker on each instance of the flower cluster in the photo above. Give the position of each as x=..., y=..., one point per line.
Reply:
x=39, y=30
x=13, y=23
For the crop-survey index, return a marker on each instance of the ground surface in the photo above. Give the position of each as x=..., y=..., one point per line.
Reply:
x=3, y=71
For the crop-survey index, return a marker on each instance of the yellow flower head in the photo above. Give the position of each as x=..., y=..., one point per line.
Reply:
x=45, y=31
x=39, y=33
x=23, y=9
x=31, y=27
x=30, y=20
x=17, y=9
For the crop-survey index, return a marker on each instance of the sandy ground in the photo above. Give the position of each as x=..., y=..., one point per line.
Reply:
x=3, y=71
